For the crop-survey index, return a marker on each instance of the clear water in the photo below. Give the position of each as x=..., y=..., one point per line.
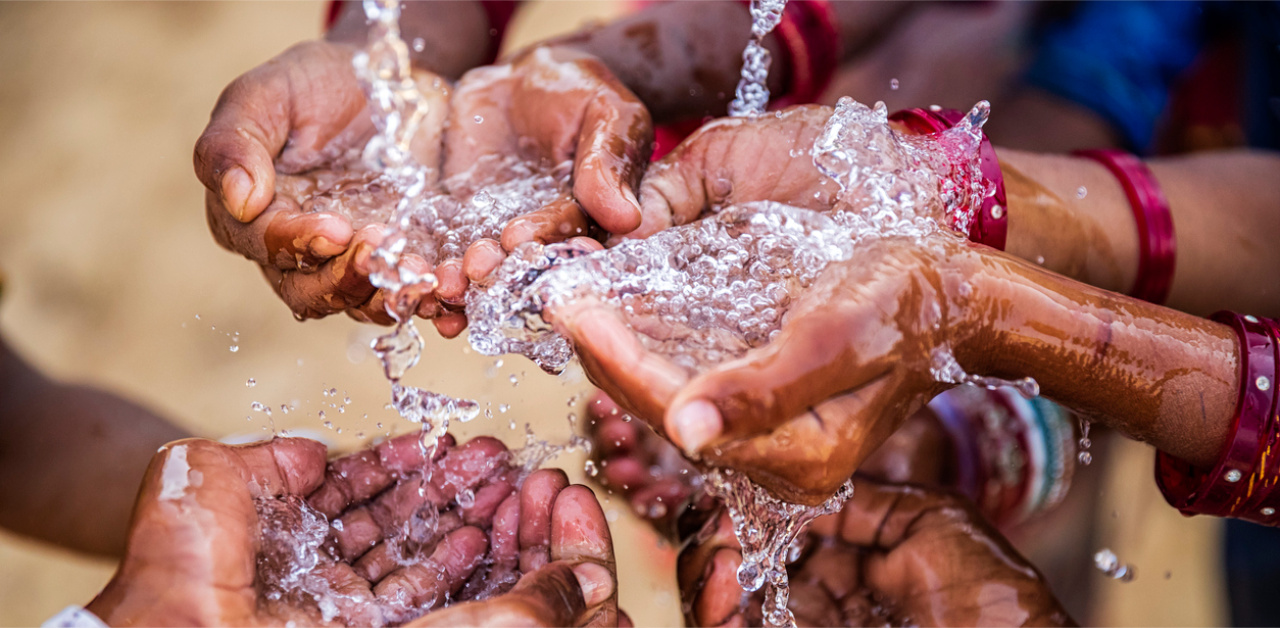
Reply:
x=752, y=95
x=707, y=292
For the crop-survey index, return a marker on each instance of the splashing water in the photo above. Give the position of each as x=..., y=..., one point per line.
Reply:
x=768, y=530
x=709, y=291
x=946, y=369
x=1085, y=456
x=752, y=95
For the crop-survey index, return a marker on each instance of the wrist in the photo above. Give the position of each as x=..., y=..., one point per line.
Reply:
x=444, y=37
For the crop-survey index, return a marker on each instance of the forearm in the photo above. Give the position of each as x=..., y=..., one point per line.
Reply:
x=454, y=35
x=682, y=59
x=74, y=457
x=1072, y=213
x=1155, y=374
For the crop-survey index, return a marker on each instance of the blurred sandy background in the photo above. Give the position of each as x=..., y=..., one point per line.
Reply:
x=112, y=279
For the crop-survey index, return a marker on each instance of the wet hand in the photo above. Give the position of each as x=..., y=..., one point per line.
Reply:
x=853, y=360
x=219, y=551
x=895, y=555
x=732, y=161
x=282, y=134
x=550, y=108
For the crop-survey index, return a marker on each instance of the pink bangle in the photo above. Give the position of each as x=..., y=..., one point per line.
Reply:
x=810, y=41
x=991, y=221
x=1158, y=248
x=1242, y=483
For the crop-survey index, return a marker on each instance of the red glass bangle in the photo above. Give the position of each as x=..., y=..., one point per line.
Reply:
x=1157, y=246
x=498, y=12
x=810, y=40
x=991, y=221
x=1242, y=483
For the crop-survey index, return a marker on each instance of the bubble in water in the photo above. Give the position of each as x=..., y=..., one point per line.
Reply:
x=1109, y=564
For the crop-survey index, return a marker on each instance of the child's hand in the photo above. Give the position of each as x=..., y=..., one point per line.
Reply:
x=731, y=161
x=547, y=106
x=276, y=134
x=895, y=555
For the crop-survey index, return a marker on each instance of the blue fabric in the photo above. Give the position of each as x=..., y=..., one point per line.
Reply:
x=1120, y=59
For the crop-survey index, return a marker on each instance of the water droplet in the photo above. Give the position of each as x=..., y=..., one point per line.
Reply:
x=1109, y=564
x=251, y=383
x=590, y=468
x=893, y=84
x=479, y=119
x=1081, y=192
x=419, y=44
x=234, y=348
x=1233, y=476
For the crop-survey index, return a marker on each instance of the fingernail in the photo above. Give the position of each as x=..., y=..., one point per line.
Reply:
x=695, y=424
x=236, y=187
x=596, y=582
x=324, y=247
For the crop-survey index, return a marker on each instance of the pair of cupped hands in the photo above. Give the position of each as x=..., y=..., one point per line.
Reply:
x=798, y=415
x=199, y=550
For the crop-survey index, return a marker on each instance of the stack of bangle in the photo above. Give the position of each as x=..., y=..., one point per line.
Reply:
x=991, y=222
x=810, y=42
x=1155, y=222
x=1243, y=482
x=1014, y=456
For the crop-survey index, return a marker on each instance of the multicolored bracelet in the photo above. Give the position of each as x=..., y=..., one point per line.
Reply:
x=1014, y=456
x=991, y=222
x=498, y=12
x=1242, y=484
x=1157, y=246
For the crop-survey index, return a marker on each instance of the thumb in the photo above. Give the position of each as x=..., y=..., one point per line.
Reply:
x=233, y=157
x=554, y=595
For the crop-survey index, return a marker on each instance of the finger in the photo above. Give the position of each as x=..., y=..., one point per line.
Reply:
x=351, y=595
x=537, y=501
x=807, y=364
x=417, y=539
x=450, y=324
x=504, y=535
x=580, y=532
x=282, y=236
x=612, y=151
x=482, y=258
x=293, y=466
x=467, y=466
x=427, y=585
x=482, y=508
x=406, y=453
x=373, y=311
x=813, y=606
x=452, y=282
x=556, y=221
x=348, y=480
x=339, y=284
x=365, y=526
x=614, y=359
x=835, y=569
x=721, y=596
x=550, y=596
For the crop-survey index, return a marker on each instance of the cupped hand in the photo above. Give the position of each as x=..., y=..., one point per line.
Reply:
x=733, y=161
x=548, y=108
x=897, y=555
x=222, y=536
x=285, y=138
x=855, y=356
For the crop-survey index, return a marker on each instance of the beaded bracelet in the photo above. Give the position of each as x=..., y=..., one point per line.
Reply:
x=1157, y=247
x=991, y=222
x=1014, y=456
x=1242, y=483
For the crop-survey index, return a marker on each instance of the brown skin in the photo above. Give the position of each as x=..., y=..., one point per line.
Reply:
x=74, y=456
x=803, y=412
x=297, y=118
x=191, y=560
x=926, y=556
